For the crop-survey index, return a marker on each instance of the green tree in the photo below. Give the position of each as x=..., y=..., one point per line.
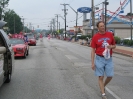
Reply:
x=13, y=22
x=61, y=31
x=3, y=4
x=129, y=14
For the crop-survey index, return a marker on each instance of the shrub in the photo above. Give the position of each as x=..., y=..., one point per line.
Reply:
x=72, y=37
x=84, y=37
x=88, y=36
x=125, y=42
x=130, y=43
x=117, y=40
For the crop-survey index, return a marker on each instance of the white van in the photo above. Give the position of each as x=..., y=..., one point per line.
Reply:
x=6, y=57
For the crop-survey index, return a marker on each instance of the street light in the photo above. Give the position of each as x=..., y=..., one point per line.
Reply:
x=76, y=21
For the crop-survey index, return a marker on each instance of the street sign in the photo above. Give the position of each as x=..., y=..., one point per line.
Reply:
x=84, y=10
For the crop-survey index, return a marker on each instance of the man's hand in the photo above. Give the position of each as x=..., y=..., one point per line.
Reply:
x=111, y=46
x=93, y=67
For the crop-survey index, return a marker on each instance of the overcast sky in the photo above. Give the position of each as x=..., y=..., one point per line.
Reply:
x=41, y=12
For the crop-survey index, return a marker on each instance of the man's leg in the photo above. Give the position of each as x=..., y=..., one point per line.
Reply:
x=109, y=71
x=108, y=79
x=101, y=84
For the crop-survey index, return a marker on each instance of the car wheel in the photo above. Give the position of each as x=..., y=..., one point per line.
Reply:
x=27, y=52
x=25, y=55
x=8, y=79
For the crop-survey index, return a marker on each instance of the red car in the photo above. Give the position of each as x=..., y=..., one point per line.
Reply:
x=21, y=49
x=31, y=39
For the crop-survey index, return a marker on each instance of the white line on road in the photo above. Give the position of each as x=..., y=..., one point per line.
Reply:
x=112, y=93
x=81, y=64
x=71, y=57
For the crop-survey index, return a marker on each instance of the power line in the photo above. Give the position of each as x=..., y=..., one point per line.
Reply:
x=71, y=1
x=59, y=7
x=78, y=18
x=64, y=1
x=99, y=3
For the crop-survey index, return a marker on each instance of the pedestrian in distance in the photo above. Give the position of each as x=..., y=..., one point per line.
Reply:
x=49, y=37
x=25, y=38
x=9, y=35
x=41, y=37
x=101, y=56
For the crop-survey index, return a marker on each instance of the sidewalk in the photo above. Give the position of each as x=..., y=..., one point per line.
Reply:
x=128, y=51
x=123, y=50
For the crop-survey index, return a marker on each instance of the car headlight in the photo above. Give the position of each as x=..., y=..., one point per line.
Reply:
x=19, y=49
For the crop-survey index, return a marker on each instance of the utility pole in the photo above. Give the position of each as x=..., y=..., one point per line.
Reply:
x=131, y=18
x=53, y=25
x=57, y=21
x=23, y=24
x=93, y=17
x=106, y=3
x=27, y=28
x=59, y=27
x=14, y=24
x=51, y=28
x=105, y=14
x=65, y=16
x=33, y=29
x=2, y=7
x=102, y=16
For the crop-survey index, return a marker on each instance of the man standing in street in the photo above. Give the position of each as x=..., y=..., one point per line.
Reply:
x=101, y=56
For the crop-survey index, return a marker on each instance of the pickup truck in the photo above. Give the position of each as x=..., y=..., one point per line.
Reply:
x=6, y=56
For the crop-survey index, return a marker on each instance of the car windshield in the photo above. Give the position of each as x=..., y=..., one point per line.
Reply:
x=17, y=41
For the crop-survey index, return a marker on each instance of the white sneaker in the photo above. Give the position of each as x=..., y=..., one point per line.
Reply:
x=104, y=97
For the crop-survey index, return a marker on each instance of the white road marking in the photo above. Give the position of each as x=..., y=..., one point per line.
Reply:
x=81, y=64
x=87, y=64
x=60, y=49
x=71, y=57
x=112, y=93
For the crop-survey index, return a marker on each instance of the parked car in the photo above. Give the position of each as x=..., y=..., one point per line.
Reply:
x=31, y=39
x=79, y=34
x=21, y=49
x=6, y=57
x=128, y=38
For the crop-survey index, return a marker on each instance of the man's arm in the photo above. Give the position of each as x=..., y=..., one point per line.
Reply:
x=111, y=46
x=92, y=58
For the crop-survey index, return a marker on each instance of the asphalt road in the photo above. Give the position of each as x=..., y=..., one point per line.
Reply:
x=58, y=69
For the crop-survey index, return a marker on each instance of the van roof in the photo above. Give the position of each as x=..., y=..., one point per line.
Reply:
x=2, y=23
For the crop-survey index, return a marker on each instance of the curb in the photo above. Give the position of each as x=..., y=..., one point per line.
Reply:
x=123, y=52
